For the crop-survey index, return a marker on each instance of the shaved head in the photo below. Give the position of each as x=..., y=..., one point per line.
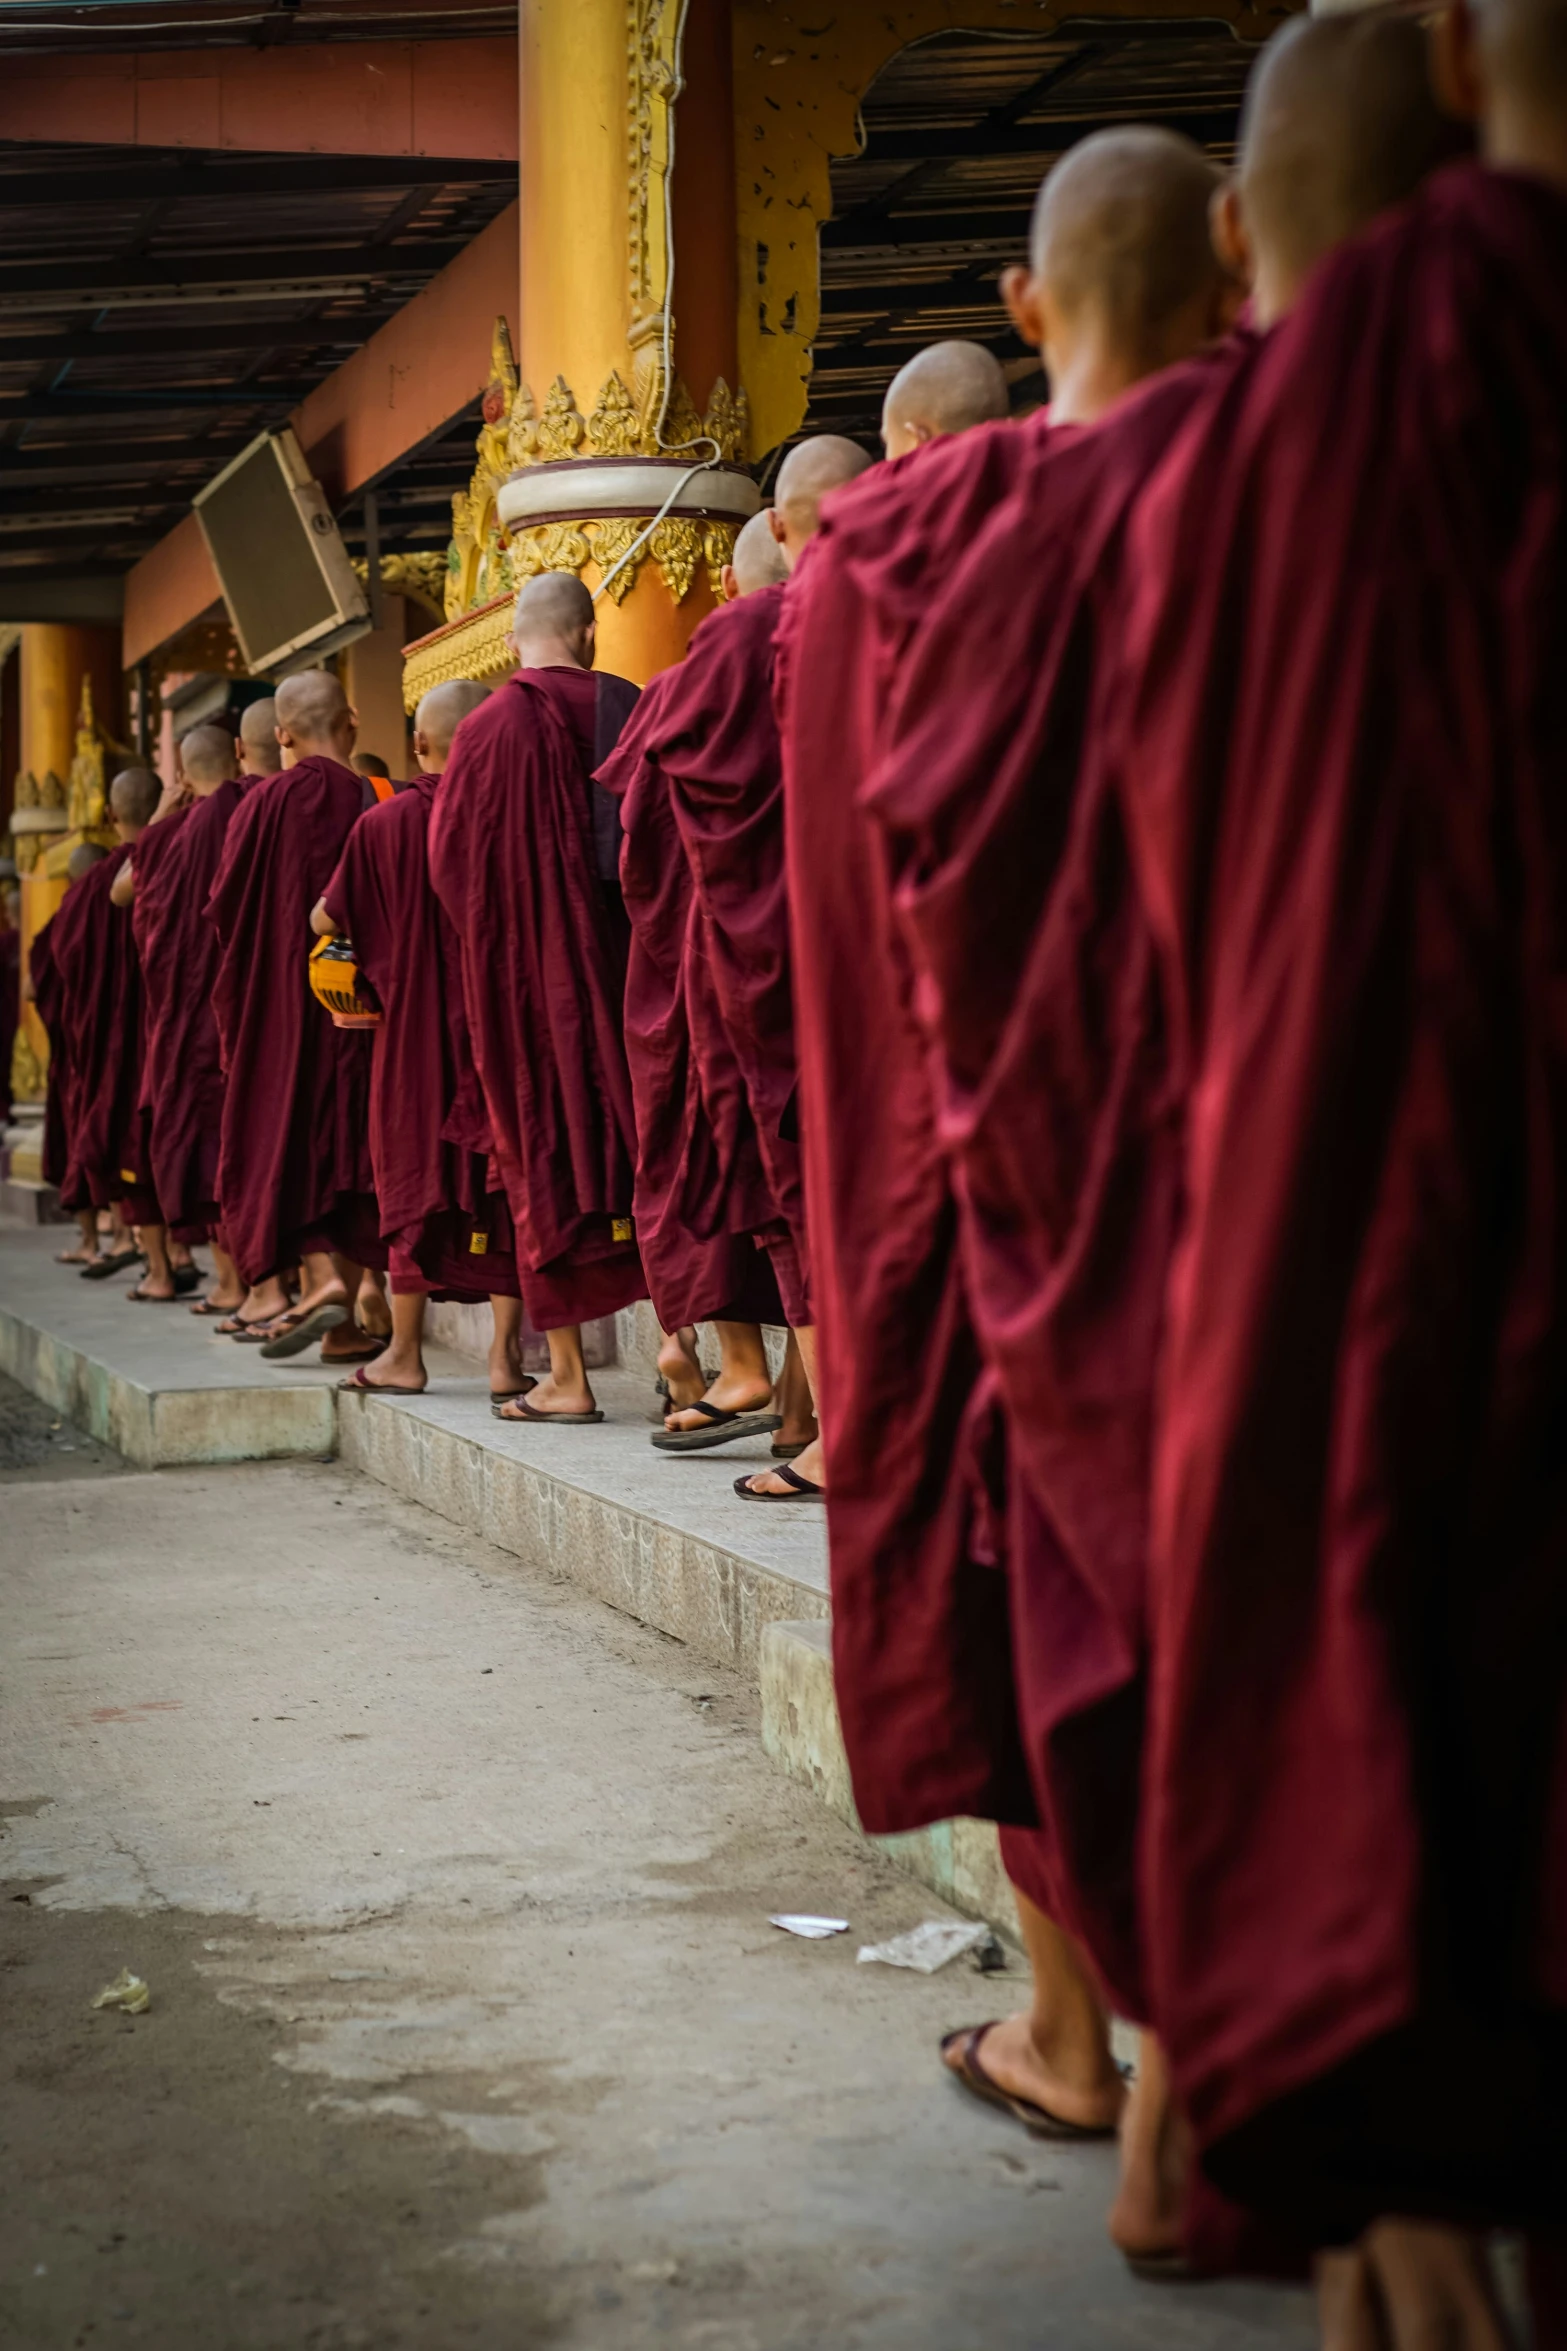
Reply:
x=310, y=705
x=758, y=560
x=441, y=713
x=258, y=736
x=552, y=623
x=133, y=797
x=82, y=859
x=207, y=755
x=1340, y=122
x=810, y=470
x=943, y=389
x=1121, y=233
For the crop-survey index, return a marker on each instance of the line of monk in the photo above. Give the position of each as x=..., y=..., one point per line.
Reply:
x=1078, y=943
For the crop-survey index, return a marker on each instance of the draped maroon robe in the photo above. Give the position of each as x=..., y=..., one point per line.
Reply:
x=49, y=1003
x=1348, y=701
x=432, y=1199
x=1038, y=991
x=703, y=1189
x=921, y=1645
x=100, y=984
x=519, y=862
x=294, y=1168
x=182, y=1070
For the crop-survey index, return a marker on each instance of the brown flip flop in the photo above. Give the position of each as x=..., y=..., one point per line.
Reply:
x=209, y=1309
x=970, y=2075
x=562, y=1420
x=356, y=1381
x=801, y=1489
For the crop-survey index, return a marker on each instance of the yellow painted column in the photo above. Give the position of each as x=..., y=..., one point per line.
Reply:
x=56, y=660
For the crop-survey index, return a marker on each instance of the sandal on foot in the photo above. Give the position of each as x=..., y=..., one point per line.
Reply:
x=209, y=1308
x=140, y=1297
x=723, y=1428
x=116, y=1262
x=295, y=1332
x=186, y=1278
x=365, y=1348
x=357, y=1382
x=525, y=1411
x=793, y=1450
x=801, y=1489
x=1037, y=2120
x=1171, y=2267
x=511, y=1395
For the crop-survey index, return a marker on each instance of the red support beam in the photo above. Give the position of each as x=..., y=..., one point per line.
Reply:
x=413, y=376
x=335, y=98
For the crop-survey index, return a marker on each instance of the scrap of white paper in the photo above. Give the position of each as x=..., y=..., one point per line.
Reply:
x=928, y=1947
x=814, y=1930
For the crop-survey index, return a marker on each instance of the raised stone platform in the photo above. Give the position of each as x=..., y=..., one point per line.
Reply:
x=662, y=1537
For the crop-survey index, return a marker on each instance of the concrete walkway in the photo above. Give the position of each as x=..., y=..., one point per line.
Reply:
x=468, y=2026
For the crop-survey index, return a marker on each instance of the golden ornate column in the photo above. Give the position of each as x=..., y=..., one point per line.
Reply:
x=70, y=686
x=615, y=440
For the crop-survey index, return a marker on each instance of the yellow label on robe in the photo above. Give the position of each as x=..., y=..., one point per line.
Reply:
x=128, y=1175
x=477, y=1244
x=620, y=1228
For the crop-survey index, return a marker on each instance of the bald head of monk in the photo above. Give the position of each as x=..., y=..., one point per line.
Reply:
x=552, y=623
x=758, y=561
x=260, y=749
x=206, y=759
x=1122, y=277
x=82, y=859
x=439, y=715
x=1503, y=64
x=133, y=801
x=1340, y=122
x=943, y=389
x=810, y=470
x=314, y=720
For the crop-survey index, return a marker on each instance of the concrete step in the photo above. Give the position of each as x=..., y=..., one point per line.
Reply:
x=157, y=1386
x=957, y=1859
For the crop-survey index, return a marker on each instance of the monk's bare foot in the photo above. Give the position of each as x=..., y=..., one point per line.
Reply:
x=1014, y=2060
x=1145, y=2219
x=680, y=1369
x=349, y=1344
x=219, y=1301
x=331, y=1293
x=399, y=1368
x=551, y=1398
x=728, y=1394
x=811, y=1465
x=507, y=1377
x=1410, y=2285
x=153, y=1287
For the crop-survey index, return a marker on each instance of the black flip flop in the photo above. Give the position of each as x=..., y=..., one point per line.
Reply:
x=102, y=1267
x=793, y=1451
x=724, y=1429
x=186, y=1278
x=140, y=1297
x=300, y=1331
x=1037, y=2120
x=802, y=1488
x=209, y=1309
x=560, y=1420
x=357, y=1384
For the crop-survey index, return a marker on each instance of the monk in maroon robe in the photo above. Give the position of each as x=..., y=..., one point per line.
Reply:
x=525, y=858
x=294, y=1178
x=1343, y=779
x=166, y=885
x=1124, y=281
x=704, y=1200
x=45, y=988
x=446, y=1223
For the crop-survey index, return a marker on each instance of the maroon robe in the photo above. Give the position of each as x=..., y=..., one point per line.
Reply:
x=921, y=1645
x=294, y=1167
x=433, y=1200
x=10, y=1006
x=49, y=1003
x=100, y=981
x=1038, y=991
x=702, y=1191
x=182, y=1070
x=522, y=859
x=1348, y=705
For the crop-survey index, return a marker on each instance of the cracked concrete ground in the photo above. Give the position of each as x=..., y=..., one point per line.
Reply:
x=467, y=2027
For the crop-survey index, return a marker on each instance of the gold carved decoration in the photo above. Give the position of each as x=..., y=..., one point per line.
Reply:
x=560, y=429
x=27, y=1071
x=85, y=799
x=472, y=557
x=473, y=646
x=718, y=548
x=614, y=428
x=419, y=575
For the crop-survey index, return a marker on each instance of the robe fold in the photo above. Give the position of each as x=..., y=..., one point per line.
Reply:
x=293, y=1166
x=921, y=1644
x=702, y=1189
x=519, y=847
x=49, y=1003
x=10, y=1006
x=1038, y=991
x=431, y=1192
x=1347, y=701
x=100, y=983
